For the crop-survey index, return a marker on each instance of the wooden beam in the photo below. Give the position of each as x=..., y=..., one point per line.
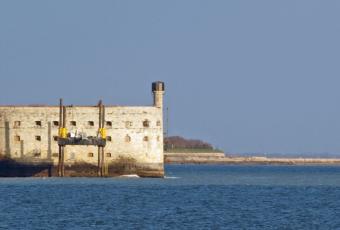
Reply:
x=99, y=172
x=103, y=163
x=102, y=148
x=60, y=126
x=63, y=147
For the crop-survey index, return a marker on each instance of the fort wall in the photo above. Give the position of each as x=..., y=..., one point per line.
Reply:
x=134, y=142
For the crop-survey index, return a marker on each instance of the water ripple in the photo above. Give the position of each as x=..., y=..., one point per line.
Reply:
x=214, y=197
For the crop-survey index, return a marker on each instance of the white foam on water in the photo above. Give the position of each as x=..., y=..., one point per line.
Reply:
x=171, y=177
x=130, y=176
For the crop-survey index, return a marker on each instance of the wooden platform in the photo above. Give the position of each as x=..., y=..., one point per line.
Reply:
x=79, y=141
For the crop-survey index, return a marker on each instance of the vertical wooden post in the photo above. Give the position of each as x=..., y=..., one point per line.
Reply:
x=99, y=148
x=63, y=147
x=103, y=116
x=103, y=156
x=60, y=126
x=59, y=160
x=99, y=161
x=102, y=166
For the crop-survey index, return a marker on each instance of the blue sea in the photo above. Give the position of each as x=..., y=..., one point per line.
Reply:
x=190, y=197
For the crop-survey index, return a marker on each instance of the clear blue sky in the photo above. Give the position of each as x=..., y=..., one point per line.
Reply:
x=247, y=76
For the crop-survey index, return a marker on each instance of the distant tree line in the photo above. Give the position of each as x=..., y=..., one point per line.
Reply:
x=181, y=142
x=177, y=142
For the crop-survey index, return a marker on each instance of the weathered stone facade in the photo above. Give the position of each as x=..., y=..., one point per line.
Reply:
x=134, y=143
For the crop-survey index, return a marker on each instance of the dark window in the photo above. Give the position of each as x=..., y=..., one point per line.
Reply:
x=146, y=138
x=108, y=138
x=38, y=138
x=55, y=138
x=90, y=154
x=90, y=123
x=38, y=123
x=56, y=123
x=73, y=123
x=146, y=123
x=108, y=155
x=109, y=124
x=17, y=124
x=55, y=154
x=17, y=138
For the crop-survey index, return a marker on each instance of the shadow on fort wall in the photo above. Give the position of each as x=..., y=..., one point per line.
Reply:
x=27, y=168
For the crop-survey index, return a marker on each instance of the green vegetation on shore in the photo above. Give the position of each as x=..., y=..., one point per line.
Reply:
x=177, y=144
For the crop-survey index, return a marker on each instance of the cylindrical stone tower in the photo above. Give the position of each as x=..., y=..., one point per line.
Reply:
x=158, y=92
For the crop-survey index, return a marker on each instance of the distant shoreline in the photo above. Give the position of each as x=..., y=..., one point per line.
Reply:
x=220, y=158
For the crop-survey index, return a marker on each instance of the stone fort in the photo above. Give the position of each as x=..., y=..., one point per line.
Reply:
x=134, y=139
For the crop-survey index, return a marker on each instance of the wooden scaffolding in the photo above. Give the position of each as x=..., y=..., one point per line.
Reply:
x=64, y=139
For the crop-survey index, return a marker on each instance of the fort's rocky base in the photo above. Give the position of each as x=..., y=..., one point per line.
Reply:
x=12, y=168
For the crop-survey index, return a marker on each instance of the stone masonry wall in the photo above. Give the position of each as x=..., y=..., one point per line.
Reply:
x=135, y=134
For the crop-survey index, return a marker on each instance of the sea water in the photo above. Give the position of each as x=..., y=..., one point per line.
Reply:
x=190, y=197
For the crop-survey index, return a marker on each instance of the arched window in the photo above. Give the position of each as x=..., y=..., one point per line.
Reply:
x=146, y=123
